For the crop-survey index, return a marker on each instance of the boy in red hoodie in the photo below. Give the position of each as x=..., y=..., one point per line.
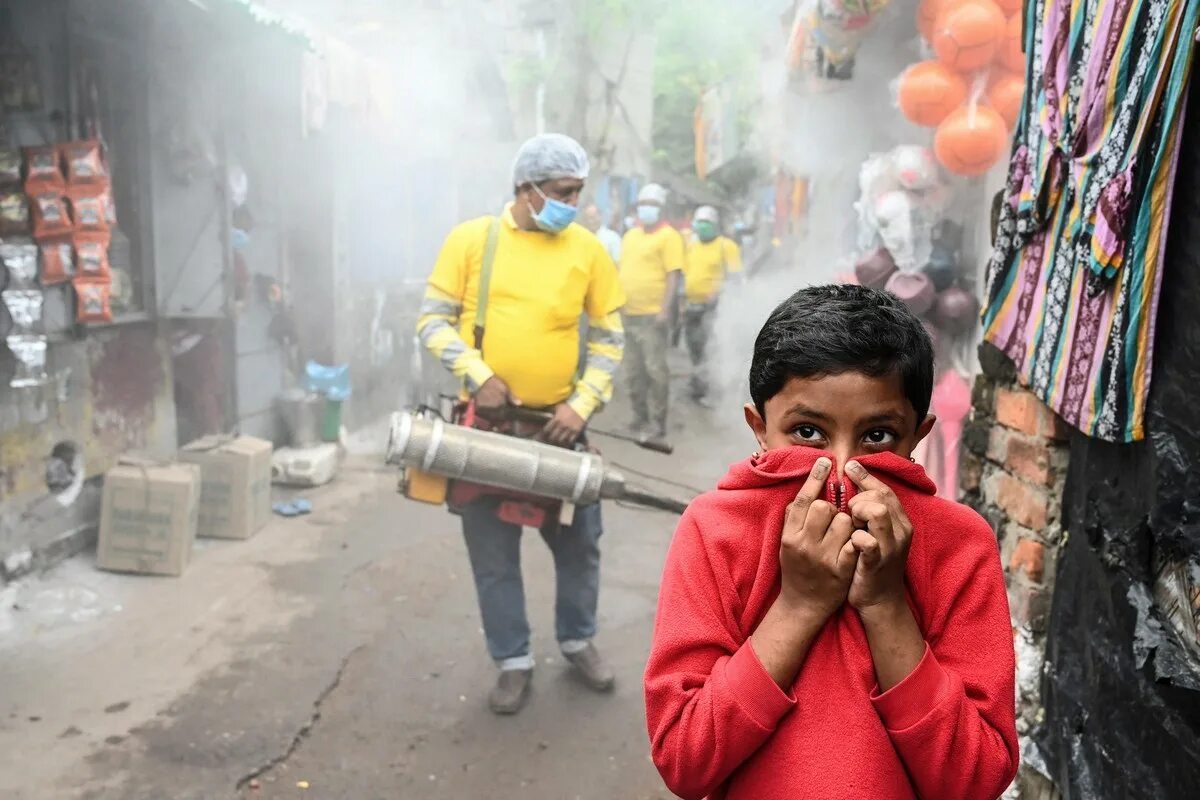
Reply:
x=827, y=627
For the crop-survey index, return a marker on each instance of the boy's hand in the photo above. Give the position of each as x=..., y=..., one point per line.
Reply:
x=882, y=539
x=816, y=557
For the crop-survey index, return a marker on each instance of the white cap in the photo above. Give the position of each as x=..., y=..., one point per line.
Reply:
x=548, y=157
x=706, y=214
x=652, y=194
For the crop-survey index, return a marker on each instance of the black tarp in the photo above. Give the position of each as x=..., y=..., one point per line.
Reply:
x=1122, y=690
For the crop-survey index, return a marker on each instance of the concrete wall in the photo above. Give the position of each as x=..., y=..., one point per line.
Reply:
x=113, y=393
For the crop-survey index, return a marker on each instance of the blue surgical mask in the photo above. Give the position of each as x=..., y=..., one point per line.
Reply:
x=239, y=239
x=649, y=215
x=555, y=216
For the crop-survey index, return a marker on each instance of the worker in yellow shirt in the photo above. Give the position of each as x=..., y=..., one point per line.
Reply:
x=535, y=274
x=652, y=256
x=711, y=258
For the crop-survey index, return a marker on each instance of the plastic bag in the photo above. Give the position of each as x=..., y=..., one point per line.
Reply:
x=43, y=169
x=50, y=217
x=14, y=213
x=91, y=256
x=58, y=260
x=85, y=163
x=93, y=301
x=30, y=352
x=89, y=208
x=20, y=262
x=24, y=308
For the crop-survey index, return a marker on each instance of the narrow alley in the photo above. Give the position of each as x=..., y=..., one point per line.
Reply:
x=340, y=652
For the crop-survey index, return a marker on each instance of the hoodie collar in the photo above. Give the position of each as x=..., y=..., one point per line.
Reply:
x=793, y=464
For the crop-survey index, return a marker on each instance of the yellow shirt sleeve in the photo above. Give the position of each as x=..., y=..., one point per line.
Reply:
x=441, y=310
x=605, y=341
x=673, y=255
x=733, y=256
x=604, y=294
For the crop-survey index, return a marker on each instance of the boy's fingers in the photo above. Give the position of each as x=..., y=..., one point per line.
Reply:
x=839, y=532
x=867, y=547
x=865, y=480
x=875, y=517
x=813, y=488
x=820, y=515
x=847, y=558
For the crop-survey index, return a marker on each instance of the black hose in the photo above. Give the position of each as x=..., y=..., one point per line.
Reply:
x=647, y=500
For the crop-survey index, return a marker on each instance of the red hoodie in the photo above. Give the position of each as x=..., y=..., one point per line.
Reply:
x=721, y=728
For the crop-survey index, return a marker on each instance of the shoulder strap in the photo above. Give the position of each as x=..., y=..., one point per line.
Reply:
x=485, y=281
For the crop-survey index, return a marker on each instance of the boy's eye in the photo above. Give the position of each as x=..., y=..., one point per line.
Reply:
x=807, y=433
x=880, y=437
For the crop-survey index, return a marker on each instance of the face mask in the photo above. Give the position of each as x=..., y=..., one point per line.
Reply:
x=649, y=215
x=239, y=239
x=705, y=231
x=555, y=216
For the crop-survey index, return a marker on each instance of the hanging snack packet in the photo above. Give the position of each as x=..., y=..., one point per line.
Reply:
x=58, y=260
x=91, y=256
x=20, y=262
x=85, y=162
x=50, y=216
x=43, y=170
x=88, y=208
x=93, y=301
x=14, y=213
x=110, y=207
x=10, y=166
x=30, y=352
x=24, y=308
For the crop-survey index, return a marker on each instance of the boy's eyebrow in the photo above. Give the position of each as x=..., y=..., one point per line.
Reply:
x=887, y=416
x=805, y=411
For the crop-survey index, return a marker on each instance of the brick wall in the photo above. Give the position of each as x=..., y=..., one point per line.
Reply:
x=1014, y=467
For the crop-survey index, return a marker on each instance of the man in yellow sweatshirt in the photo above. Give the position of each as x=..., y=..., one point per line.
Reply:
x=543, y=275
x=652, y=256
x=711, y=259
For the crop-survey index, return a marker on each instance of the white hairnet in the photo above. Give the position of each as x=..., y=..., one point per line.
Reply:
x=548, y=157
x=707, y=214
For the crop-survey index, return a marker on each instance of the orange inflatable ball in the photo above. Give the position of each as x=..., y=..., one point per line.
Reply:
x=967, y=35
x=1005, y=92
x=927, y=14
x=929, y=91
x=1008, y=7
x=1011, y=54
x=970, y=140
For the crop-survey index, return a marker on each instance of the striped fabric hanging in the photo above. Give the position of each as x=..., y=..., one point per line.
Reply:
x=1074, y=280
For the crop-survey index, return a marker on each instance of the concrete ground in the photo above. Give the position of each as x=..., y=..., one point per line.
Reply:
x=333, y=656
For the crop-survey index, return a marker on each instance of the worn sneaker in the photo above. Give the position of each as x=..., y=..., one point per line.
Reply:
x=511, y=691
x=592, y=668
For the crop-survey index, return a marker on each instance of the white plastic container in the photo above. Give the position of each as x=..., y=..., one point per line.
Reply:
x=307, y=466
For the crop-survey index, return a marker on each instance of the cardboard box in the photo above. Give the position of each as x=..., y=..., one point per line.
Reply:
x=148, y=517
x=235, y=498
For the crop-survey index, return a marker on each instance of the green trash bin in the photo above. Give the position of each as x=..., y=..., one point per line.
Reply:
x=331, y=421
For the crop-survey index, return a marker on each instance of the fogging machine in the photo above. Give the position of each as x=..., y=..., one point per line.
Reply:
x=432, y=451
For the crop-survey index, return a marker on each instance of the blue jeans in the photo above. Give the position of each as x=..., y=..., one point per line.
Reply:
x=494, y=547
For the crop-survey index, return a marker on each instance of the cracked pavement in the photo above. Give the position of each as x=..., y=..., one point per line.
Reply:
x=332, y=656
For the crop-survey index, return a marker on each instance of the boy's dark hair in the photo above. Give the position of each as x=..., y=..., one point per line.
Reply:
x=828, y=330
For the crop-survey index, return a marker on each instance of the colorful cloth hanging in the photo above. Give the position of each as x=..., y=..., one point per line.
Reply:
x=1074, y=280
